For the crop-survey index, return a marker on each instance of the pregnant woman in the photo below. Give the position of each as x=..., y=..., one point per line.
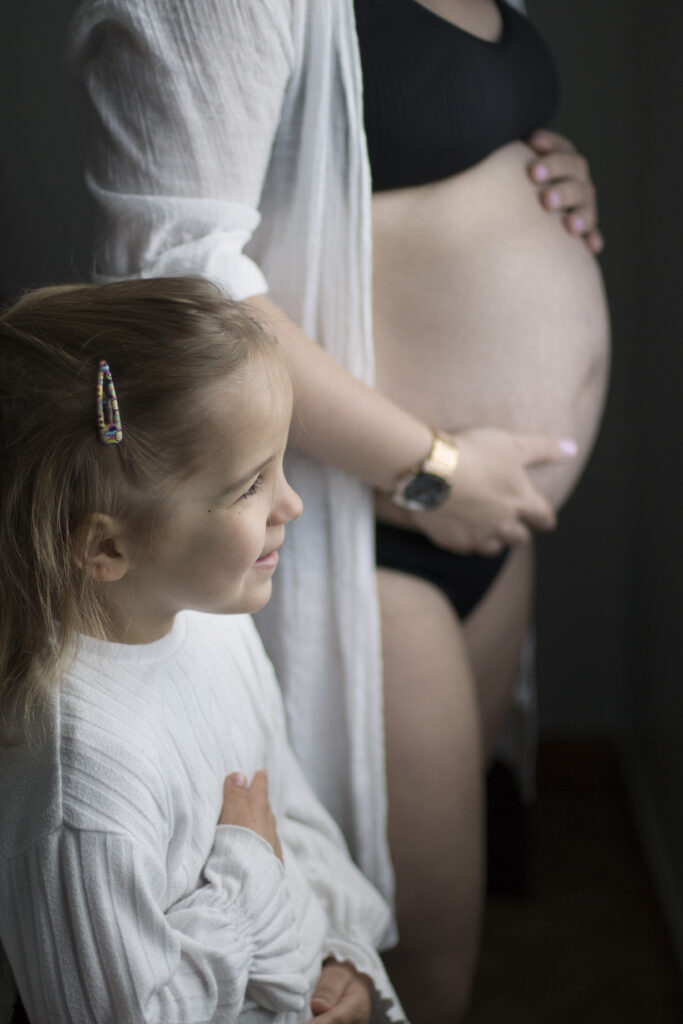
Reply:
x=486, y=310
x=229, y=142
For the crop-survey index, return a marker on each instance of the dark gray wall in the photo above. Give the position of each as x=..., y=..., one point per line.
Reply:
x=586, y=570
x=609, y=609
x=45, y=216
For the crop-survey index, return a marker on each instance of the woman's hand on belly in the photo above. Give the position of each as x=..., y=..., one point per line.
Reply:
x=493, y=502
x=566, y=185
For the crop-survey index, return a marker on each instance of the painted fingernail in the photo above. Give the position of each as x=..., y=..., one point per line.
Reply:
x=540, y=172
x=577, y=224
x=237, y=779
x=568, y=447
x=554, y=199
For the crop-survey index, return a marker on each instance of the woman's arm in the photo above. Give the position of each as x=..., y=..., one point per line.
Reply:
x=186, y=99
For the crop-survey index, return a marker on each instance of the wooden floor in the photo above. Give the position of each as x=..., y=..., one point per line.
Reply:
x=586, y=943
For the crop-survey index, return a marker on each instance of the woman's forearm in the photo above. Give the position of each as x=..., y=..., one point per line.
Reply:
x=339, y=419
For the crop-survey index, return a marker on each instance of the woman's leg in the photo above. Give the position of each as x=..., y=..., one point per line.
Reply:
x=436, y=716
x=435, y=780
x=495, y=633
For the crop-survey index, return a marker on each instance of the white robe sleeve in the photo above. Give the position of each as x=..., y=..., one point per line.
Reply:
x=186, y=98
x=88, y=939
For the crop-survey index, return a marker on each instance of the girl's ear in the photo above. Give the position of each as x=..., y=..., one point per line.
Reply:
x=100, y=550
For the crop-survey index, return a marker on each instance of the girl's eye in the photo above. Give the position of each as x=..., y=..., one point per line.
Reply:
x=256, y=486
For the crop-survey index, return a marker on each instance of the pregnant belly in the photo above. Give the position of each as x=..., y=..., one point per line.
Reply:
x=486, y=312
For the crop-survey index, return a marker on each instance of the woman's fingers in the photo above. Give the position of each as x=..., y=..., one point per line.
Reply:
x=558, y=165
x=493, y=501
x=566, y=185
x=576, y=200
x=595, y=241
x=544, y=140
x=538, y=448
x=537, y=512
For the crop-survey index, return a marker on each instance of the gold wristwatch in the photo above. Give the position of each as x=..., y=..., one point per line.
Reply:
x=428, y=485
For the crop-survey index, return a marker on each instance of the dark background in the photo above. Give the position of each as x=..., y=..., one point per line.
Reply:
x=609, y=602
x=609, y=597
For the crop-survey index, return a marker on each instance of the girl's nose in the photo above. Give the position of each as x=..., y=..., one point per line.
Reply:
x=288, y=505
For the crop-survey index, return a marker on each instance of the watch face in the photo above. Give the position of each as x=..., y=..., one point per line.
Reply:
x=425, y=490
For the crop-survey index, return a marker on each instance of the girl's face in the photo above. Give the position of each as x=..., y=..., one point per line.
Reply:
x=218, y=548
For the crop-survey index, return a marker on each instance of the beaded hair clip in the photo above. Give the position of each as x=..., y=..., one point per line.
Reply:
x=108, y=418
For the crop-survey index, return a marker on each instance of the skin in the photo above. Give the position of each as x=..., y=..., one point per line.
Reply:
x=567, y=187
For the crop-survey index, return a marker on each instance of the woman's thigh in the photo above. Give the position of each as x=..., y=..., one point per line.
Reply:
x=495, y=633
x=434, y=773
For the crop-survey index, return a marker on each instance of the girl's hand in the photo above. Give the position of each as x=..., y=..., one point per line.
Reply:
x=342, y=995
x=248, y=807
x=567, y=187
x=493, y=502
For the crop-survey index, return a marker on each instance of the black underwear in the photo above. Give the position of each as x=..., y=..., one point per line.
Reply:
x=464, y=579
x=438, y=99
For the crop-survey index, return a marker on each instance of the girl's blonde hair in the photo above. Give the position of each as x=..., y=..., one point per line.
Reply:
x=165, y=340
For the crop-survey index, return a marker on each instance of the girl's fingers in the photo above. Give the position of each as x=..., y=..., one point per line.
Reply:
x=352, y=1008
x=237, y=779
x=332, y=982
x=258, y=790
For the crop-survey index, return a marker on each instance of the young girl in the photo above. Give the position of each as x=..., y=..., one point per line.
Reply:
x=161, y=856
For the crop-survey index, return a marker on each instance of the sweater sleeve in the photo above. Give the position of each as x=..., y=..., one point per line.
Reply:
x=87, y=938
x=358, y=919
x=186, y=97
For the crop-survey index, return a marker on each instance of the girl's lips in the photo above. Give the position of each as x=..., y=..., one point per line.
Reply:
x=268, y=561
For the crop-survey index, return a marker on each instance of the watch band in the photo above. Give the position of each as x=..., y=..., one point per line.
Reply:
x=443, y=458
x=428, y=484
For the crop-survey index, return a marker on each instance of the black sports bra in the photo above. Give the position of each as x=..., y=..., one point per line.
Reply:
x=438, y=99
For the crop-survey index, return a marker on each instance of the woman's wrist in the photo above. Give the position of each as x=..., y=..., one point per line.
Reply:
x=427, y=485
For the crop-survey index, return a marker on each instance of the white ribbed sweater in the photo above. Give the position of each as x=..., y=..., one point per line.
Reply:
x=121, y=899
